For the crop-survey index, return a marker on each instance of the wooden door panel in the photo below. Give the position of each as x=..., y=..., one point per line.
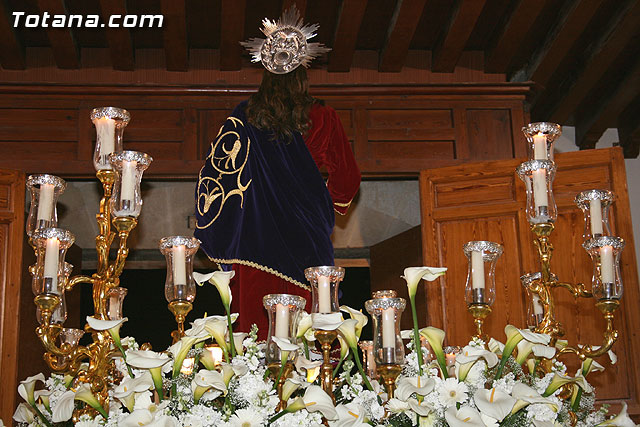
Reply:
x=486, y=201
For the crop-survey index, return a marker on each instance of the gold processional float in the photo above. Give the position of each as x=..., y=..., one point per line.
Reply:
x=120, y=173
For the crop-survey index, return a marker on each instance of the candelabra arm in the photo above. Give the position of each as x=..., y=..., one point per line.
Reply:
x=124, y=225
x=72, y=282
x=545, y=249
x=607, y=307
x=578, y=290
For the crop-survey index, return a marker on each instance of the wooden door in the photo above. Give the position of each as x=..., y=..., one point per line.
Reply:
x=486, y=201
x=12, y=192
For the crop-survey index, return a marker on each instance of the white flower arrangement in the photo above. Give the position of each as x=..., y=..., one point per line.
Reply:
x=494, y=384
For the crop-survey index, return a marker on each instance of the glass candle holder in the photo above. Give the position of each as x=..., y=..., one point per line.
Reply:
x=51, y=246
x=179, y=252
x=284, y=311
x=540, y=138
x=535, y=309
x=44, y=191
x=387, y=341
x=537, y=176
x=368, y=359
x=324, y=288
x=71, y=336
x=110, y=123
x=481, y=281
x=126, y=200
x=115, y=298
x=605, y=251
x=595, y=206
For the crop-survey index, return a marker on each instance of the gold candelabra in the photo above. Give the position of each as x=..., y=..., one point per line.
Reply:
x=120, y=173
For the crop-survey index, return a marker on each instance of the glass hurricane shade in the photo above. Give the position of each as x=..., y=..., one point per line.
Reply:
x=109, y=123
x=606, y=282
x=115, y=299
x=126, y=199
x=537, y=176
x=535, y=308
x=595, y=205
x=179, y=252
x=480, y=287
x=51, y=246
x=385, y=312
x=284, y=313
x=540, y=138
x=44, y=191
x=325, y=281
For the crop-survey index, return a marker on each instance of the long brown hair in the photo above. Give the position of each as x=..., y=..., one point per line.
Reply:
x=282, y=104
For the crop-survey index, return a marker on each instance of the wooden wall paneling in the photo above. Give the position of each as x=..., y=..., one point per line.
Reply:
x=486, y=201
x=396, y=131
x=12, y=184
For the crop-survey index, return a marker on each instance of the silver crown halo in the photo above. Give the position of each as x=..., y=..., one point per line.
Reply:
x=286, y=46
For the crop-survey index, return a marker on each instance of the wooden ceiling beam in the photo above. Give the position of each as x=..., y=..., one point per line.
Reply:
x=629, y=129
x=608, y=46
x=119, y=39
x=65, y=49
x=11, y=50
x=174, y=34
x=560, y=40
x=231, y=34
x=593, y=119
x=300, y=4
x=520, y=21
x=402, y=27
x=344, y=41
x=463, y=20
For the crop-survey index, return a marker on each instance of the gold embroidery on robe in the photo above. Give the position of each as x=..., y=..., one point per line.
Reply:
x=228, y=157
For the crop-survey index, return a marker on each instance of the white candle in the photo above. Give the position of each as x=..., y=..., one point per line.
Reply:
x=45, y=202
x=324, y=294
x=106, y=135
x=537, y=305
x=477, y=270
x=606, y=264
x=540, y=189
x=179, y=266
x=51, y=257
x=595, y=215
x=282, y=321
x=128, y=180
x=388, y=328
x=539, y=147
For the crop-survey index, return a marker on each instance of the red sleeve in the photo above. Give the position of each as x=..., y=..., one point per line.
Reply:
x=329, y=147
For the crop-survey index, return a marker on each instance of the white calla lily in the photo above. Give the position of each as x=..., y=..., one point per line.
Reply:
x=545, y=351
x=205, y=380
x=350, y=415
x=84, y=394
x=422, y=408
x=64, y=407
x=559, y=380
x=24, y=414
x=238, y=339
x=464, y=417
x=303, y=364
x=27, y=387
x=219, y=279
x=469, y=356
x=361, y=319
x=326, y=321
x=620, y=420
x=315, y=399
x=217, y=328
x=284, y=344
x=304, y=324
x=526, y=395
x=435, y=337
x=348, y=331
x=126, y=390
x=413, y=275
x=180, y=350
x=494, y=403
x=147, y=359
x=104, y=325
x=407, y=386
x=495, y=346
